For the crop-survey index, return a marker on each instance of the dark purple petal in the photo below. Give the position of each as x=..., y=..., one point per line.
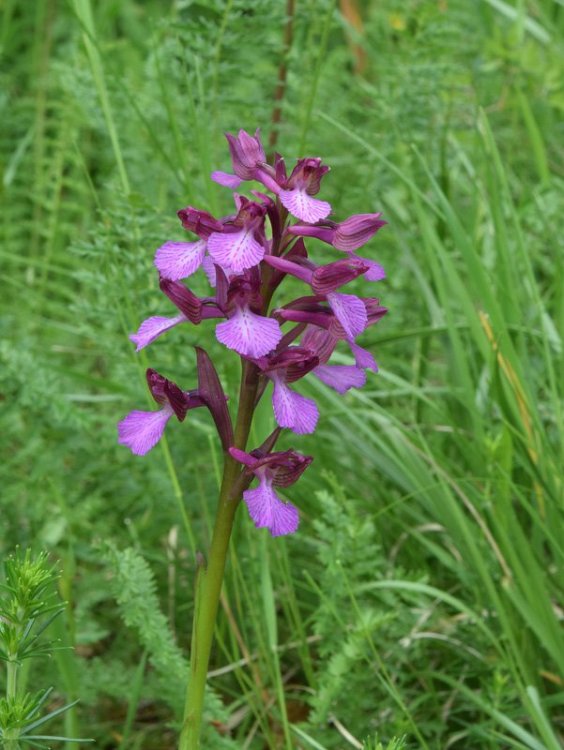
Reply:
x=355, y=231
x=247, y=153
x=319, y=341
x=334, y=275
x=200, y=222
x=189, y=305
x=307, y=175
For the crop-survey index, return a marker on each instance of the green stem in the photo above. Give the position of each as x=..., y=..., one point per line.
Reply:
x=11, y=679
x=11, y=735
x=210, y=577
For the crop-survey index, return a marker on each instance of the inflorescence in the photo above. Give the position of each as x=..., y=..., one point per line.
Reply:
x=246, y=257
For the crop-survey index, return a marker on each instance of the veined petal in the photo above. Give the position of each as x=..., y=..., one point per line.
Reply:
x=363, y=357
x=152, y=328
x=304, y=206
x=341, y=377
x=375, y=270
x=142, y=430
x=349, y=311
x=292, y=410
x=236, y=251
x=226, y=179
x=178, y=260
x=356, y=231
x=249, y=334
x=268, y=511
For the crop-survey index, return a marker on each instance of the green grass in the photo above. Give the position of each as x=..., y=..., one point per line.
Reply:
x=422, y=597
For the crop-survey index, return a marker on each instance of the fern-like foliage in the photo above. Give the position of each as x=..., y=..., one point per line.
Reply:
x=134, y=588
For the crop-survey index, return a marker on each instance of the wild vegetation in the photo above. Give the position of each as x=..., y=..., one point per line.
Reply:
x=420, y=605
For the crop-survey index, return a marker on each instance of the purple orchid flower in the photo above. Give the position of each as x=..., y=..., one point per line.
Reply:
x=141, y=430
x=324, y=281
x=246, y=330
x=192, y=309
x=347, y=236
x=292, y=410
x=241, y=243
x=178, y=260
x=279, y=469
x=297, y=193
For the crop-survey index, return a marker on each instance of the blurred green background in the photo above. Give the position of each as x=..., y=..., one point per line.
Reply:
x=422, y=595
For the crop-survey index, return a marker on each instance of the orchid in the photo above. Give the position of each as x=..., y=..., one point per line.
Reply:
x=246, y=257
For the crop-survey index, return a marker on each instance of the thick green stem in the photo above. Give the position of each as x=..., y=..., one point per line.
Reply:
x=210, y=577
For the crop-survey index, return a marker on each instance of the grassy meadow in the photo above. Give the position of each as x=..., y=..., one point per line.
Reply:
x=420, y=605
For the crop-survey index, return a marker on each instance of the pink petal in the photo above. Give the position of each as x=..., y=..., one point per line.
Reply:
x=349, y=311
x=152, y=328
x=375, y=270
x=249, y=334
x=304, y=206
x=237, y=251
x=178, y=260
x=363, y=357
x=341, y=377
x=292, y=410
x=142, y=430
x=226, y=179
x=268, y=511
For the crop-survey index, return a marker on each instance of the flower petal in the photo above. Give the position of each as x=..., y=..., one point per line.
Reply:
x=152, y=328
x=237, y=250
x=142, y=430
x=349, y=311
x=363, y=357
x=304, y=206
x=178, y=260
x=375, y=270
x=268, y=511
x=226, y=179
x=249, y=334
x=356, y=231
x=341, y=377
x=292, y=410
